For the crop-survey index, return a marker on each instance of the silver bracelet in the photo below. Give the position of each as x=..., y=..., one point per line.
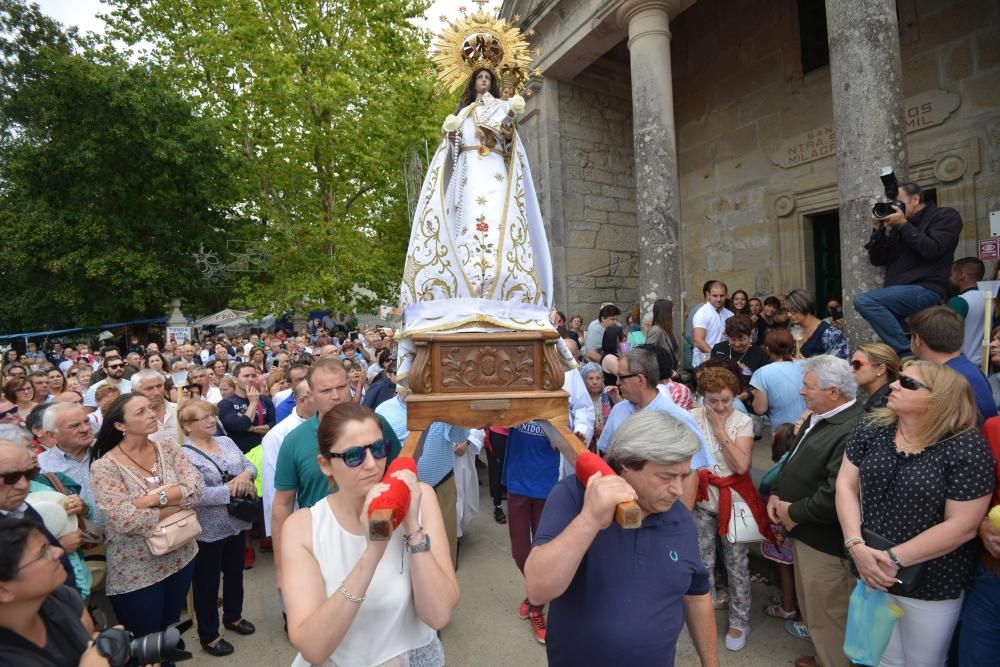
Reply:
x=352, y=598
x=407, y=538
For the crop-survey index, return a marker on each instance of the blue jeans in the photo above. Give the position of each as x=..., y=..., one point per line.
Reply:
x=979, y=634
x=154, y=608
x=886, y=310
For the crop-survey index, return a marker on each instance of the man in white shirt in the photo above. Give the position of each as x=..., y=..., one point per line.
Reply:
x=709, y=321
x=114, y=369
x=304, y=409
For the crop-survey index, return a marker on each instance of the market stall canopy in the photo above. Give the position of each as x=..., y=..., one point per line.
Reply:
x=223, y=318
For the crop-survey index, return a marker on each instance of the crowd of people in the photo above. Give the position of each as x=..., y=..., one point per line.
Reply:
x=133, y=476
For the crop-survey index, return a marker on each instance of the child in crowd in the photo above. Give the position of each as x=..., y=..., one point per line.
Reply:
x=781, y=552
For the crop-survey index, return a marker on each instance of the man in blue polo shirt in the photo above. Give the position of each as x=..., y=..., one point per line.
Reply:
x=621, y=596
x=936, y=334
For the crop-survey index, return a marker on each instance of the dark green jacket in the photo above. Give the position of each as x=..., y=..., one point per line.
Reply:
x=808, y=480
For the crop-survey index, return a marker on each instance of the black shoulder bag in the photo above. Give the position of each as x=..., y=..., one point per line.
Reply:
x=244, y=508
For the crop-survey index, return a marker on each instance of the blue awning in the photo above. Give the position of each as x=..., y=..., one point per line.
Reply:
x=59, y=332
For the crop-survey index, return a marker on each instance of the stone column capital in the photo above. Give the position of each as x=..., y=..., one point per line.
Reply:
x=629, y=9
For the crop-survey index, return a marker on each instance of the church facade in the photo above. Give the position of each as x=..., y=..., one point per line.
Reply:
x=674, y=141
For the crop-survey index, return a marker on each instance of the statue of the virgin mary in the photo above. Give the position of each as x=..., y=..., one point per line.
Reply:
x=478, y=258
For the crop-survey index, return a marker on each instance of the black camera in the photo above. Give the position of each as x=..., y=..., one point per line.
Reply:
x=884, y=208
x=122, y=649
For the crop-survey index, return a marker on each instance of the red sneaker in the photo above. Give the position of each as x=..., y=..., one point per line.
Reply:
x=522, y=611
x=536, y=617
x=248, y=558
x=265, y=545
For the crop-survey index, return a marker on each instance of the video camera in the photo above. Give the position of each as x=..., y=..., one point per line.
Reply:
x=884, y=208
x=122, y=649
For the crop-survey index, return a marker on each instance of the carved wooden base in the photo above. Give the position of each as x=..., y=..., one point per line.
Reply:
x=472, y=380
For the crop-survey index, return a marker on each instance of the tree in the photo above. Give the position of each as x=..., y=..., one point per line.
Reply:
x=324, y=101
x=108, y=182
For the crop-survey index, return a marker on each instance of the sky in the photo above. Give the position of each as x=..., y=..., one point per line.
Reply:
x=83, y=13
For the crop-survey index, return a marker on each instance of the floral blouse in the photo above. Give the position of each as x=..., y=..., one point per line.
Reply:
x=131, y=566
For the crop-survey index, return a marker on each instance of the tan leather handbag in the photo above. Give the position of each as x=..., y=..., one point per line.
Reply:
x=173, y=532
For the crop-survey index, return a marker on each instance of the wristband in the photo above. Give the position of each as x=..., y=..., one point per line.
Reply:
x=352, y=598
x=852, y=542
x=895, y=561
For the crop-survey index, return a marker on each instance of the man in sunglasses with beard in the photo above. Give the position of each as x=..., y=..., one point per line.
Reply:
x=17, y=468
x=114, y=371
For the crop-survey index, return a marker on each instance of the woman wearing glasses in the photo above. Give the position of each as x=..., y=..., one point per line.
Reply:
x=351, y=601
x=21, y=393
x=220, y=545
x=914, y=484
x=876, y=367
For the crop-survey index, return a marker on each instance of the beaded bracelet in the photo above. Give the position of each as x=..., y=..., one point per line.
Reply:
x=852, y=542
x=352, y=598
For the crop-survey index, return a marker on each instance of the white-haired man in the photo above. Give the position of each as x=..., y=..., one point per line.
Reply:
x=621, y=596
x=802, y=500
x=67, y=425
x=150, y=384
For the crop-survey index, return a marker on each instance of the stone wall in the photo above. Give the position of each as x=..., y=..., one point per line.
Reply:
x=598, y=200
x=740, y=95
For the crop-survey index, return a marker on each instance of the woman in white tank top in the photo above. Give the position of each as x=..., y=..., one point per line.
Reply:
x=355, y=603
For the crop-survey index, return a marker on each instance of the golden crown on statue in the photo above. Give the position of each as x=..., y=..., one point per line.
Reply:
x=481, y=40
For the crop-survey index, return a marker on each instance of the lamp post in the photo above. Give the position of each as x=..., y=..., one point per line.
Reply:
x=989, y=290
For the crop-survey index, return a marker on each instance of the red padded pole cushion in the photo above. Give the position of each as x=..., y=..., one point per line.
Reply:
x=587, y=463
x=397, y=496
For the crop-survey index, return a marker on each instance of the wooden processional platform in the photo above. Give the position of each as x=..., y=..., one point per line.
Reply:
x=473, y=380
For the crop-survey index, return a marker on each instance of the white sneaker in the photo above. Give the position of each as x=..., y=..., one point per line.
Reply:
x=737, y=643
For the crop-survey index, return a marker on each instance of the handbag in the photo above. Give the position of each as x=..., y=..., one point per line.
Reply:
x=90, y=533
x=742, y=525
x=173, y=532
x=244, y=508
x=911, y=576
x=871, y=617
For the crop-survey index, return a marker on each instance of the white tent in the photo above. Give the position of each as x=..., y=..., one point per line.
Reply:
x=224, y=318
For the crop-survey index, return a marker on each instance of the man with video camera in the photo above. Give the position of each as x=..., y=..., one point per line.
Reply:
x=915, y=241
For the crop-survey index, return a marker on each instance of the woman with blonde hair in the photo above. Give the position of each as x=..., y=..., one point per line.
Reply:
x=925, y=476
x=226, y=474
x=276, y=382
x=876, y=367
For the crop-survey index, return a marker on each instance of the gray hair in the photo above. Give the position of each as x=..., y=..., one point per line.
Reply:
x=644, y=361
x=590, y=367
x=143, y=375
x=831, y=371
x=651, y=436
x=50, y=419
x=15, y=434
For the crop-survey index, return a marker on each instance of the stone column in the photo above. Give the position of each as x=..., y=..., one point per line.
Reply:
x=657, y=193
x=866, y=75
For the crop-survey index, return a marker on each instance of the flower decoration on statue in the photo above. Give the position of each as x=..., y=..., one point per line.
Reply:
x=479, y=40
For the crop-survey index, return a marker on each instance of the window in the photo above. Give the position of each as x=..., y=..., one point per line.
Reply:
x=812, y=35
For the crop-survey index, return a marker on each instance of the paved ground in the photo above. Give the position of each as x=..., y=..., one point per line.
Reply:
x=485, y=630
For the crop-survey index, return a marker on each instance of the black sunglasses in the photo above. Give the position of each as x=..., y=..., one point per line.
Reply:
x=355, y=456
x=114, y=366
x=12, y=478
x=906, y=382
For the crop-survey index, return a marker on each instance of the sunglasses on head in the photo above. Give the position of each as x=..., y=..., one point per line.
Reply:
x=355, y=456
x=906, y=382
x=13, y=477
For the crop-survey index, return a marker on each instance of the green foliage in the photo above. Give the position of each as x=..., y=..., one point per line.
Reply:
x=108, y=183
x=324, y=102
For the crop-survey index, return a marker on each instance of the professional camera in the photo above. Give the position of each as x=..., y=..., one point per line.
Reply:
x=884, y=208
x=123, y=649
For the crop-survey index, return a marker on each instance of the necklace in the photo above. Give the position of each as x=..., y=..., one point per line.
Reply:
x=909, y=447
x=151, y=470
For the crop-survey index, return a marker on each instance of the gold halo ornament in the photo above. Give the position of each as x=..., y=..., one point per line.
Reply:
x=480, y=40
